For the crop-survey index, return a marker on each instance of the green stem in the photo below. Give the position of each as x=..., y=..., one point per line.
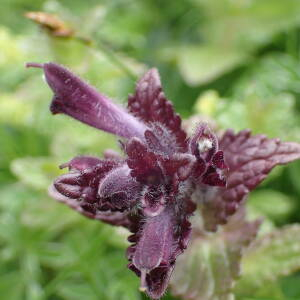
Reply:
x=100, y=45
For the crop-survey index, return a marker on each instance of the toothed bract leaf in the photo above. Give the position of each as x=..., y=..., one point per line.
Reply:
x=250, y=158
x=150, y=105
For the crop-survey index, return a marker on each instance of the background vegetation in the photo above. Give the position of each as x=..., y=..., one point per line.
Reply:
x=234, y=61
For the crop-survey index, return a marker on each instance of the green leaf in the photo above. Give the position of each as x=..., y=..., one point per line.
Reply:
x=264, y=99
x=272, y=204
x=271, y=256
x=231, y=32
x=19, y=142
x=49, y=249
x=8, y=280
x=81, y=140
x=271, y=115
x=290, y=286
x=36, y=172
x=272, y=74
x=201, y=64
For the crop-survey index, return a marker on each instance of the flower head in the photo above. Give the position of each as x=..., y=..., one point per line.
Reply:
x=155, y=187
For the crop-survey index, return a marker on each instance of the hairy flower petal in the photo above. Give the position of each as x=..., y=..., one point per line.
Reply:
x=119, y=189
x=112, y=218
x=75, y=98
x=159, y=241
x=155, y=244
x=81, y=163
x=104, y=186
x=83, y=184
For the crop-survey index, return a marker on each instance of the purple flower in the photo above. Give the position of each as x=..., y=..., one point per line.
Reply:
x=163, y=176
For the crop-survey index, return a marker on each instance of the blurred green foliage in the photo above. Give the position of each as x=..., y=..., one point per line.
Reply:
x=236, y=62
